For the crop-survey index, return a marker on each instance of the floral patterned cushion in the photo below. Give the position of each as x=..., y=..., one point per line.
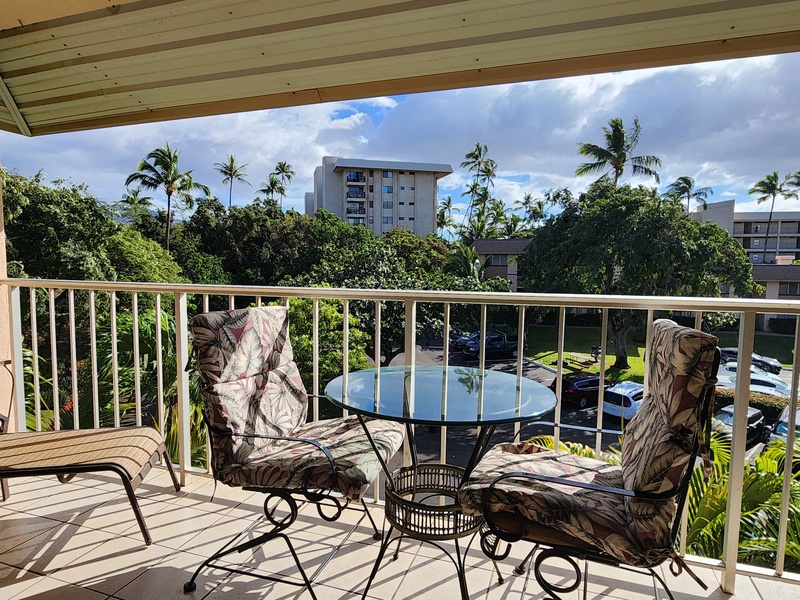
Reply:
x=253, y=393
x=657, y=447
x=657, y=443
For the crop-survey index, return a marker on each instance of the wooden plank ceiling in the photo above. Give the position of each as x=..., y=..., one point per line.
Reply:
x=80, y=64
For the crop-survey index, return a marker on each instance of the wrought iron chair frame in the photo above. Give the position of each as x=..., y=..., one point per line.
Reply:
x=492, y=533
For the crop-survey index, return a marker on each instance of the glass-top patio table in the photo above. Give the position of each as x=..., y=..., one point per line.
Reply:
x=421, y=499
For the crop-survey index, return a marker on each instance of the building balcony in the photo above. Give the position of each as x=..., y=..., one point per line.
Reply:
x=356, y=211
x=56, y=538
x=357, y=195
x=356, y=179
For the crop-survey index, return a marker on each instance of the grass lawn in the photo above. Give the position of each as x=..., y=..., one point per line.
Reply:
x=542, y=347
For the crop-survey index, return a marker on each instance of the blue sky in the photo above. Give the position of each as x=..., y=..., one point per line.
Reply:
x=727, y=124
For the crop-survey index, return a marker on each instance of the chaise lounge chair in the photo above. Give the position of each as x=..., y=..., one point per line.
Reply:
x=129, y=452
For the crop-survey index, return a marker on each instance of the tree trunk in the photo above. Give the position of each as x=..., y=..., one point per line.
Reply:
x=766, y=235
x=619, y=335
x=169, y=218
x=388, y=352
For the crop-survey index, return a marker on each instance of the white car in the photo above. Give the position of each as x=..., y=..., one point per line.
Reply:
x=730, y=369
x=623, y=399
x=759, y=384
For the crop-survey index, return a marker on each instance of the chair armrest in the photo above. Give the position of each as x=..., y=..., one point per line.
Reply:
x=588, y=486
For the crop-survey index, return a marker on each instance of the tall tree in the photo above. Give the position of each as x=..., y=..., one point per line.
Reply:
x=133, y=205
x=444, y=214
x=284, y=172
x=483, y=168
x=273, y=186
x=232, y=172
x=683, y=189
x=629, y=241
x=616, y=154
x=770, y=188
x=162, y=172
x=534, y=209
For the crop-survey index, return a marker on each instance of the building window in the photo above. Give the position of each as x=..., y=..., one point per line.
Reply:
x=789, y=288
x=388, y=189
x=353, y=221
x=402, y=203
x=411, y=187
x=411, y=172
x=756, y=228
x=411, y=204
x=387, y=220
x=402, y=172
x=402, y=187
x=401, y=218
x=387, y=174
x=371, y=173
x=498, y=260
x=756, y=242
x=388, y=204
x=410, y=218
x=371, y=221
x=371, y=189
x=371, y=204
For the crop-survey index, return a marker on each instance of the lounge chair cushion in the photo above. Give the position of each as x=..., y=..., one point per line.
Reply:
x=134, y=449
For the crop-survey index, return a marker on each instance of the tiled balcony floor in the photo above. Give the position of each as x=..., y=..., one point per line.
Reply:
x=80, y=541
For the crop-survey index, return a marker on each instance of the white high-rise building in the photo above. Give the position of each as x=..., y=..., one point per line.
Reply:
x=378, y=194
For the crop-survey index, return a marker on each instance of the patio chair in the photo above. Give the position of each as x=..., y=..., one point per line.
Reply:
x=624, y=515
x=128, y=452
x=255, y=409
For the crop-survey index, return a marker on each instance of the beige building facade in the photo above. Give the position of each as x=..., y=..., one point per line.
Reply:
x=378, y=194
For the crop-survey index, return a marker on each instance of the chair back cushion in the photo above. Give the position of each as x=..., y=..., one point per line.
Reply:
x=659, y=442
x=250, y=383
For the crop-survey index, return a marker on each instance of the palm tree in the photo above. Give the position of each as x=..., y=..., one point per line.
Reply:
x=272, y=186
x=463, y=261
x=769, y=188
x=514, y=226
x=444, y=214
x=232, y=172
x=534, y=209
x=284, y=172
x=163, y=173
x=616, y=155
x=133, y=205
x=477, y=161
x=683, y=188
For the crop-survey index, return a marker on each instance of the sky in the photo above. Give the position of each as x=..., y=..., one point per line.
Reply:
x=727, y=124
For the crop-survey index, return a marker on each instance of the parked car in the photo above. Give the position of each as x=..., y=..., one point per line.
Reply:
x=758, y=384
x=457, y=343
x=580, y=389
x=730, y=368
x=780, y=430
x=762, y=362
x=756, y=424
x=497, y=346
x=623, y=399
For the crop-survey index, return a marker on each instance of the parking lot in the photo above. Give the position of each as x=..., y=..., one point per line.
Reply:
x=460, y=440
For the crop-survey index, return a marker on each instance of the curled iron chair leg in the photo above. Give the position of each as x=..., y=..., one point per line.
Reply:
x=551, y=589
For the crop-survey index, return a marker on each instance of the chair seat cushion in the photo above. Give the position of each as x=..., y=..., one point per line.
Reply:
x=296, y=464
x=596, y=518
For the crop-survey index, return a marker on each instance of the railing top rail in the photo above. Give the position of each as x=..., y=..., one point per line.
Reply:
x=758, y=305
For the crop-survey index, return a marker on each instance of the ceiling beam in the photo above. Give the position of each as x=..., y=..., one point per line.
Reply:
x=11, y=105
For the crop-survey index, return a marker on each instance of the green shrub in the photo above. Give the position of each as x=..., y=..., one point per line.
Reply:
x=768, y=404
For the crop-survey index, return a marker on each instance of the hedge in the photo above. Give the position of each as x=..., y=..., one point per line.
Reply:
x=768, y=404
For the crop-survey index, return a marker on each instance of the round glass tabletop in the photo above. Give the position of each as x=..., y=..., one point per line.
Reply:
x=433, y=395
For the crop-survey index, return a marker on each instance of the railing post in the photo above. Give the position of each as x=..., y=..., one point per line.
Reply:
x=182, y=355
x=18, y=399
x=733, y=511
x=410, y=351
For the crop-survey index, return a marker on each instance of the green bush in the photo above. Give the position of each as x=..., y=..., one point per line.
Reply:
x=768, y=404
x=782, y=325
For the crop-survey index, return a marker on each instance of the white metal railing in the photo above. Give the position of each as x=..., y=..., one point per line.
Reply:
x=42, y=293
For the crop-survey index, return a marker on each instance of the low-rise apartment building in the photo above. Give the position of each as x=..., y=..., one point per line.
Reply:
x=378, y=194
x=501, y=257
